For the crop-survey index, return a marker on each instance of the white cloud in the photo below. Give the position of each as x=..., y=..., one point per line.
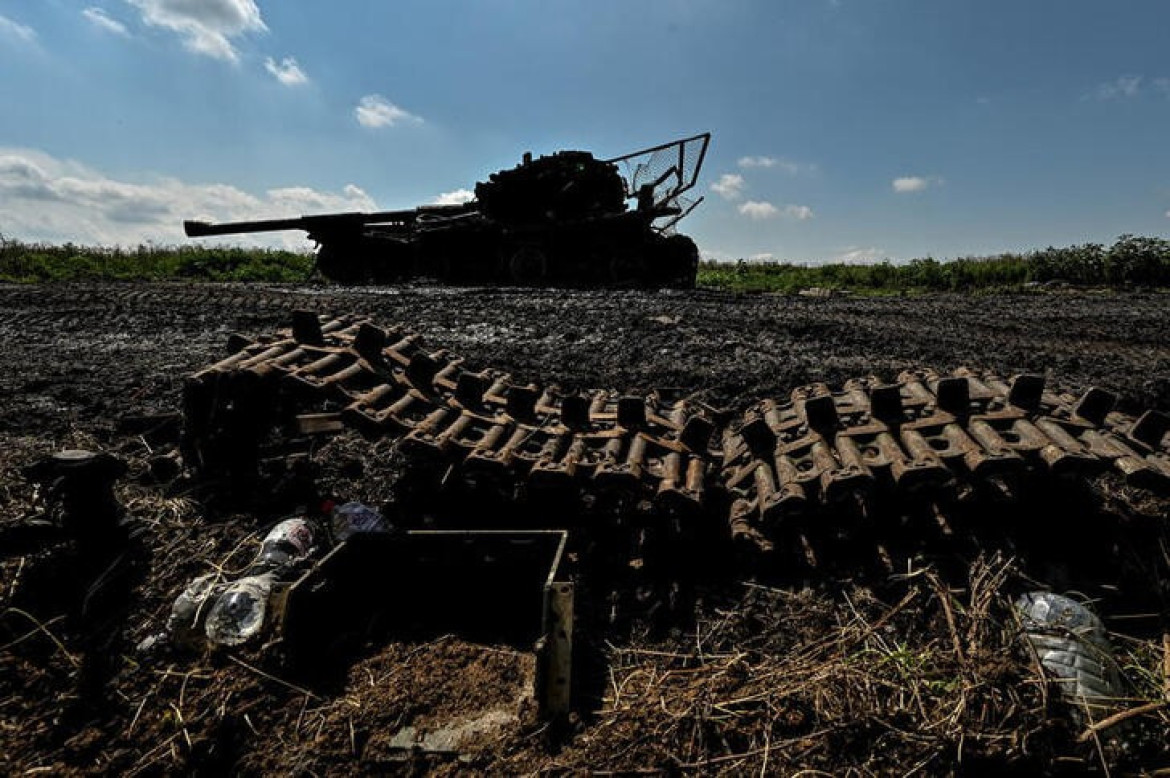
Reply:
x=51, y=199
x=458, y=197
x=856, y=255
x=301, y=200
x=910, y=184
x=788, y=166
x=288, y=72
x=377, y=111
x=798, y=212
x=714, y=255
x=1124, y=86
x=756, y=209
x=206, y=26
x=765, y=256
x=20, y=32
x=102, y=21
x=1162, y=85
x=730, y=186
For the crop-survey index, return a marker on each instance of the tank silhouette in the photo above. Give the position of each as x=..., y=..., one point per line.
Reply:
x=567, y=218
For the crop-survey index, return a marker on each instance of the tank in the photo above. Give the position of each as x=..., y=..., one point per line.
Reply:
x=567, y=218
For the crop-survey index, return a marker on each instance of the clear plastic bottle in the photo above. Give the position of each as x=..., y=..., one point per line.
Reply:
x=238, y=615
x=288, y=542
x=1072, y=645
x=189, y=611
x=354, y=518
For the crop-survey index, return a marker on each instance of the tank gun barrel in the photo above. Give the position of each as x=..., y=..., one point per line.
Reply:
x=320, y=224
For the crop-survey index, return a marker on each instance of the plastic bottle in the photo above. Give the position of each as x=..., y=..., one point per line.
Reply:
x=189, y=611
x=1071, y=644
x=353, y=518
x=288, y=542
x=239, y=613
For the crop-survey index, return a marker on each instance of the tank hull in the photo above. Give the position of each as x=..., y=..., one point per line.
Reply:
x=612, y=252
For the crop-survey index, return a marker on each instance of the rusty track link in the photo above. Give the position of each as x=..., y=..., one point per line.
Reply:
x=384, y=383
x=924, y=437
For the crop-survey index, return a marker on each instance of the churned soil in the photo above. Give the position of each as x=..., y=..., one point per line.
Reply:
x=82, y=356
x=835, y=676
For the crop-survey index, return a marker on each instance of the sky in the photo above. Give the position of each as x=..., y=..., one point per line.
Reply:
x=842, y=130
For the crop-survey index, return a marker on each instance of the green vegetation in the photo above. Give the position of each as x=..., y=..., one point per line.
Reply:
x=1131, y=261
x=34, y=262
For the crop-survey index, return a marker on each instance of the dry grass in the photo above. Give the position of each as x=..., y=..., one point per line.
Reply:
x=801, y=682
x=920, y=677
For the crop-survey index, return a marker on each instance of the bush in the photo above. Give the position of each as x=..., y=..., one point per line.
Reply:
x=1138, y=261
x=1131, y=261
x=32, y=263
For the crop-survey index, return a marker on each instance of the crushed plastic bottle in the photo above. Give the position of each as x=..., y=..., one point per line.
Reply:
x=354, y=518
x=189, y=611
x=288, y=542
x=238, y=615
x=1072, y=646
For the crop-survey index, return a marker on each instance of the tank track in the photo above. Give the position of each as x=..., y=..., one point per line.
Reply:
x=928, y=437
x=823, y=459
x=385, y=384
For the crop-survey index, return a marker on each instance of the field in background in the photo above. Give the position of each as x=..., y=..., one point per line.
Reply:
x=1130, y=262
x=37, y=262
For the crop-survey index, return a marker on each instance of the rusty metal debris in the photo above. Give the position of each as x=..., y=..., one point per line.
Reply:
x=928, y=436
x=385, y=384
x=77, y=488
x=923, y=435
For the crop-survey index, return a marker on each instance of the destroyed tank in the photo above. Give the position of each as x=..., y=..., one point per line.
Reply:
x=568, y=218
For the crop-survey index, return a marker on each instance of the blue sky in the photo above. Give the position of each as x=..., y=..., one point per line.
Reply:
x=847, y=130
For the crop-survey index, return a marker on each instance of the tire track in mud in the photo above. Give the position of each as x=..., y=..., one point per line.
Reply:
x=84, y=354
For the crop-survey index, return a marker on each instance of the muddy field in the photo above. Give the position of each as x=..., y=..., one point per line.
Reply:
x=87, y=354
x=920, y=672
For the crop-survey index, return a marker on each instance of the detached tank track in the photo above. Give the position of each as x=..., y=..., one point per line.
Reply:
x=819, y=462
x=385, y=384
x=925, y=440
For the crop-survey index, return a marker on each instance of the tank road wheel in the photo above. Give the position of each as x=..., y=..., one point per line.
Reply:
x=628, y=268
x=677, y=263
x=448, y=269
x=464, y=269
x=342, y=264
x=528, y=266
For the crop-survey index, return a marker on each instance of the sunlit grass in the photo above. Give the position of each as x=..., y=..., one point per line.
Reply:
x=37, y=262
x=1129, y=262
